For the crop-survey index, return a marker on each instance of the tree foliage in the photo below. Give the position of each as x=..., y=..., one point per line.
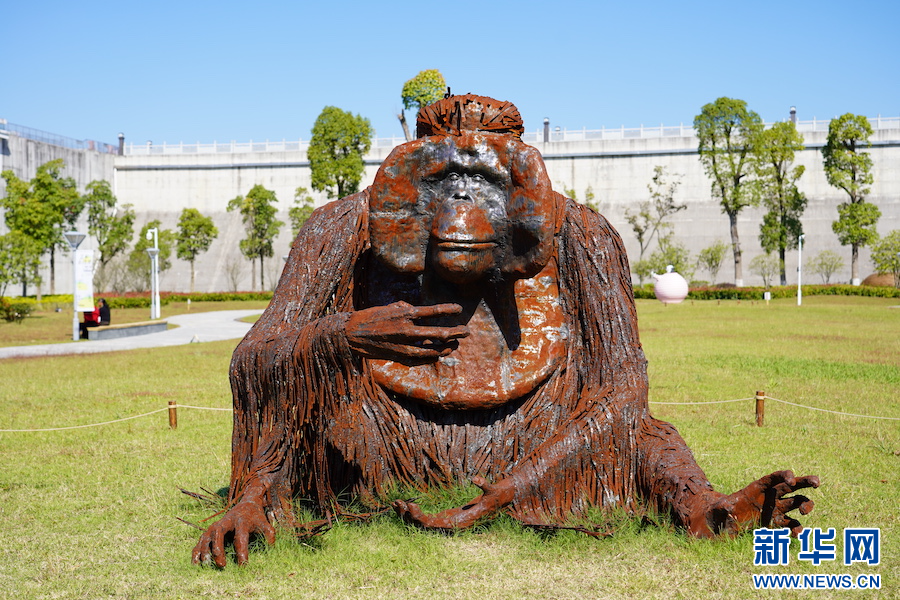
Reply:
x=669, y=252
x=112, y=227
x=43, y=209
x=195, y=235
x=301, y=210
x=20, y=260
x=767, y=266
x=258, y=210
x=886, y=255
x=727, y=132
x=848, y=168
x=711, y=258
x=427, y=87
x=139, y=265
x=649, y=219
x=776, y=187
x=339, y=142
x=825, y=264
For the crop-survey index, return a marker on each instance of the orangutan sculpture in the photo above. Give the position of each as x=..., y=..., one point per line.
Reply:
x=460, y=321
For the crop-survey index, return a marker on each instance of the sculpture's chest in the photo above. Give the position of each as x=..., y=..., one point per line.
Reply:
x=505, y=356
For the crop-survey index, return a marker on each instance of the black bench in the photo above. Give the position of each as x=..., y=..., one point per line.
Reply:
x=109, y=332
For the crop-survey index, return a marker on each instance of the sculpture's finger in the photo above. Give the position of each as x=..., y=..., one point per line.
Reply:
x=415, y=333
x=759, y=488
x=786, y=505
x=241, y=544
x=201, y=550
x=435, y=310
x=268, y=532
x=218, y=545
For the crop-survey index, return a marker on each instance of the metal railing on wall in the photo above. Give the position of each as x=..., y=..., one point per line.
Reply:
x=45, y=137
x=530, y=137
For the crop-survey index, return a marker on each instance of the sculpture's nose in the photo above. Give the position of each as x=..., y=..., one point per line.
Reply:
x=461, y=189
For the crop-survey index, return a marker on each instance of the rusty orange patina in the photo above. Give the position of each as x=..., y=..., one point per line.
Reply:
x=461, y=321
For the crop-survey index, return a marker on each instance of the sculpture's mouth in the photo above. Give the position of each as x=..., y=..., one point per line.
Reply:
x=465, y=245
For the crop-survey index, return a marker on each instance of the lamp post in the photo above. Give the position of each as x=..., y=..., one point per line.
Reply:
x=154, y=272
x=74, y=239
x=799, y=269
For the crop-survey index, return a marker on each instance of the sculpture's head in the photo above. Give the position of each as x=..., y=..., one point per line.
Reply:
x=467, y=198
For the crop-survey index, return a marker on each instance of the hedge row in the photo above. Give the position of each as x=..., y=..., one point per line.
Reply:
x=645, y=292
x=135, y=300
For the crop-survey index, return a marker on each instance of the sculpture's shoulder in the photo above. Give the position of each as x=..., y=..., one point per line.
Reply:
x=349, y=212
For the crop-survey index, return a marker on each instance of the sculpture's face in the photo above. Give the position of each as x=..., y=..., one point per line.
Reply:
x=469, y=207
x=470, y=222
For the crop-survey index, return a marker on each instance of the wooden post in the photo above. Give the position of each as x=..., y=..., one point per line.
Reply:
x=760, y=407
x=173, y=414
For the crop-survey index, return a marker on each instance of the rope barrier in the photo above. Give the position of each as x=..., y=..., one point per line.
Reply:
x=834, y=412
x=147, y=414
x=152, y=412
x=173, y=406
x=709, y=402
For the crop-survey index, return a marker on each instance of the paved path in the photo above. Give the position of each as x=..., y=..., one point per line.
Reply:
x=198, y=327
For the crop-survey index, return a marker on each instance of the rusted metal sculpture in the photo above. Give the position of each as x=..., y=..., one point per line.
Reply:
x=460, y=321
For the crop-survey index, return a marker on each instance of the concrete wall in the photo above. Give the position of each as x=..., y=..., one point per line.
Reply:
x=160, y=186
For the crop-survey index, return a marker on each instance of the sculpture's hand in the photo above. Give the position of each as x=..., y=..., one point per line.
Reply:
x=239, y=523
x=390, y=332
x=495, y=497
x=761, y=504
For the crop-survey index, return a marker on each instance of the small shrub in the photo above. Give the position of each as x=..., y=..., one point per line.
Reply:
x=14, y=312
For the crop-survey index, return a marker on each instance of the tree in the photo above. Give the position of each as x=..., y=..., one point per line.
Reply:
x=139, y=264
x=195, y=235
x=339, y=142
x=112, y=227
x=711, y=259
x=766, y=266
x=258, y=211
x=43, y=209
x=425, y=88
x=776, y=186
x=886, y=255
x=301, y=210
x=20, y=261
x=649, y=220
x=848, y=168
x=727, y=131
x=825, y=264
x=669, y=252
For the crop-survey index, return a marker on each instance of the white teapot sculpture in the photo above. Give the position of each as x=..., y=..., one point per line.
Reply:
x=670, y=287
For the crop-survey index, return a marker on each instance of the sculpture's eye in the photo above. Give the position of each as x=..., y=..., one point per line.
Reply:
x=478, y=177
x=453, y=177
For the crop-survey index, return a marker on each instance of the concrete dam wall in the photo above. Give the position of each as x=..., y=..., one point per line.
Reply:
x=617, y=165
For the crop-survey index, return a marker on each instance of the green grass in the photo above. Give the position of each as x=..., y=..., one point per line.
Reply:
x=91, y=513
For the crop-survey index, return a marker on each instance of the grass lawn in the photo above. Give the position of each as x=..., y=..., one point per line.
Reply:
x=91, y=513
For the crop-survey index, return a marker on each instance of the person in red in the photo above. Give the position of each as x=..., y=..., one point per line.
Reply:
x=94, y=318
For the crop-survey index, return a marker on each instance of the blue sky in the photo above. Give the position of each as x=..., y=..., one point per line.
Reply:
x=219, y=71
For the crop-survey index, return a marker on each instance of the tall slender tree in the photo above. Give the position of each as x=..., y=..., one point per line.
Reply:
x=427, y=87
x=111, y=225
x=194, y=237
x=339, y=142
x=848, y=168
x=776, y=186
x=258, y=212
x=301, y=210
x=727, y=130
